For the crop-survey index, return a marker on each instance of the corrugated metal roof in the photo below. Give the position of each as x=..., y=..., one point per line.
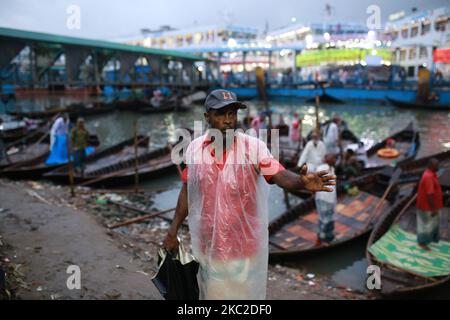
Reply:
x=65, y=40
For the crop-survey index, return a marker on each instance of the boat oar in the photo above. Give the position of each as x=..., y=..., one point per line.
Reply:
x=392, y=181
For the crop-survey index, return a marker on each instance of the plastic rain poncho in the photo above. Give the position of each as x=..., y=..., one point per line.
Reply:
x=228, y=218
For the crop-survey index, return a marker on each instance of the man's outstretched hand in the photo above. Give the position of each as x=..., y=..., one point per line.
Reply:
x=318, y=181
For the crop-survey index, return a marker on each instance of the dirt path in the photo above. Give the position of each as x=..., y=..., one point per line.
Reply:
x=46, y=240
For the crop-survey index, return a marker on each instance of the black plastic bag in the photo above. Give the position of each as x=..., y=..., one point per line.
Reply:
x=177, y=275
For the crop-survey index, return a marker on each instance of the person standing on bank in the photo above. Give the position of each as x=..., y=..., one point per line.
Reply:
x=225, y=194
x=429, y=202
x=79, y=138
x=332, y=136
x=59, y=128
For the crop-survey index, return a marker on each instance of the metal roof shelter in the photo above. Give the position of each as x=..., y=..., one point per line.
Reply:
x=45, y=49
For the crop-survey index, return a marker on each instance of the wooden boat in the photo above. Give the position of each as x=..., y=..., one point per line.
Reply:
x=407, y=143
x=412, y=170
x=74, y=110
x=418, y=105
x=24, y=154
x=35, y=168
x=395, y=280
x=294, y=232
x=117, y=166
x=29, y=162
x=405, y=139
x=27, y=148
x=30, y=134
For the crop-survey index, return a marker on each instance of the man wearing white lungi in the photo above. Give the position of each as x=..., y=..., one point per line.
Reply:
x=225, y=193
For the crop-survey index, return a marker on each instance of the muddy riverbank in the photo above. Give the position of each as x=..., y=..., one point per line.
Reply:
x=43, y=231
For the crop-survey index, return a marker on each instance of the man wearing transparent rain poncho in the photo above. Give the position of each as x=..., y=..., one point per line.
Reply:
x=225, y=193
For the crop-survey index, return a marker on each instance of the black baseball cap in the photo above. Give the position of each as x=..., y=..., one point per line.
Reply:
x=219, y=99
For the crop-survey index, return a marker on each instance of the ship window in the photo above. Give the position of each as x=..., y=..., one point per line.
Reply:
x=170, y=42
x=402, y=55
x=198, y=37
x=423, y=53
x=426, y=26
x=405, y=33
x=179, y=40
x=441, y=23
x=412, y=53
x=394, y=35
x=189, y=39
x=414, y=30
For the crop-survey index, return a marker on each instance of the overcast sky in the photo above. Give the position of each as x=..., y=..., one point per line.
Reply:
x=112, y=20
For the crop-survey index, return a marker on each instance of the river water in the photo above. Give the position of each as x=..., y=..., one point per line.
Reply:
x=345, y=265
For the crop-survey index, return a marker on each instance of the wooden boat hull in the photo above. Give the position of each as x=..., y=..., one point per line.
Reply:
x=293, y=234
x=414, y=105
x=120, y=180
x=412, y=170
x=395, y=282
x=405, y=139
x=34, y=168
x=27, y=156
x=325, y=98
x=119, y=172
x=76, y=110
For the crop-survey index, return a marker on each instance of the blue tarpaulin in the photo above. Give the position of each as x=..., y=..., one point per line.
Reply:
x=58, y=154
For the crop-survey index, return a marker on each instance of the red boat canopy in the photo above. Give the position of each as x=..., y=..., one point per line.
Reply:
x=442, y=55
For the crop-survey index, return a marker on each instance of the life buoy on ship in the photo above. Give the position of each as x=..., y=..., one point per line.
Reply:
x=388, y=153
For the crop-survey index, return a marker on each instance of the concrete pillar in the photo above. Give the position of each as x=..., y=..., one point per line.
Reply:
x=219, y=74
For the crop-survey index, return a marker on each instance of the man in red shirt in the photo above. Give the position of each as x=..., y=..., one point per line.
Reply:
x=225, y=193
x=429, y=202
